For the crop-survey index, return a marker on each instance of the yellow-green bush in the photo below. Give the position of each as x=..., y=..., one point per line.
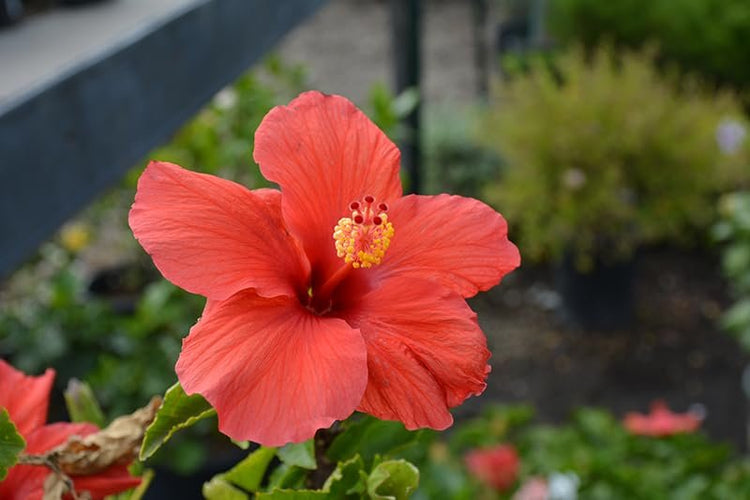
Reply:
x=605, y=154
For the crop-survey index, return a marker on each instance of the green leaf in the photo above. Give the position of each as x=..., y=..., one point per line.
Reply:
x=140, y=490
x=287, y=477
x=393, y=480
x=243, y=445
x=178, y=411
x=347, y=479
x=249, y=473
x=293, y=495
x=299, y=454
x=219, y=489
x=82, y=404
x=11, y=443
x=368, y=437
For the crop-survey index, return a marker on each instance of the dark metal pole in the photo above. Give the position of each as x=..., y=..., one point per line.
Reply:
x=480, y=11
x=407, y=35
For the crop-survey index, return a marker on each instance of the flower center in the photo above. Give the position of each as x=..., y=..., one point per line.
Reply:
x=363, y=238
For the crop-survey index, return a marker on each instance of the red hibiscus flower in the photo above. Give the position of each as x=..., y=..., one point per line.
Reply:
x=332, y=295
x=497, y=467
x=660, y=422
x=26, y=399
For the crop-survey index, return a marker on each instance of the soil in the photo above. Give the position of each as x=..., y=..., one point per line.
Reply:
x=674, y=349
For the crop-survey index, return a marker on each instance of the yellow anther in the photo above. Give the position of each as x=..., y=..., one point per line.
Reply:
x=363, y=238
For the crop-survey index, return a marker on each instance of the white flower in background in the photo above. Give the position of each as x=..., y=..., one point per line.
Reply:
x=574, y=178
x=562, y=486
x=729, y=135
x=226, y=98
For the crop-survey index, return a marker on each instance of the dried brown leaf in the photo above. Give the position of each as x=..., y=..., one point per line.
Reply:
x=117, y=444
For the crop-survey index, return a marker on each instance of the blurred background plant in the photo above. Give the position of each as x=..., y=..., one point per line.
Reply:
x=733, y=230
x=592, y=453
x=605, y=154
x=454, y=160
x=503, y=453
x=708, y=37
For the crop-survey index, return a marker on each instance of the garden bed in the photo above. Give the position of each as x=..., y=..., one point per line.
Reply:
x=674, y=351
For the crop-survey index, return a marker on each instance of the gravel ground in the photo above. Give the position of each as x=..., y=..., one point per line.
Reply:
x=347, y=47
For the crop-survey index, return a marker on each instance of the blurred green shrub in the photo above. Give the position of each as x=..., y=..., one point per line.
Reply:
x=706, y=36
x=734, y=231
x=454, y=160
x=608, y=462
x=387, y=110
x=604, y=154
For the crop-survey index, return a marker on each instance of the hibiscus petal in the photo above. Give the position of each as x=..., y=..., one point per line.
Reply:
x=324, y=153
x=274, y=371
x=25, y=397
x=425, y=350
x=27, y=481
x=113, y=480
x=44, y=438
x=214, y=237
x=24, y=482
x=459, y=242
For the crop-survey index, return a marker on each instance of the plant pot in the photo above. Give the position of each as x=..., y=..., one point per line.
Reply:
x=599, y=300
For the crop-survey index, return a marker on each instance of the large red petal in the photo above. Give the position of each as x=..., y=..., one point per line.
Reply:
x=458, y=242
x=324, y=153
x=274, y=371
x=27, y=481
x=25, y=397
x=214, y=237
x=425, y=351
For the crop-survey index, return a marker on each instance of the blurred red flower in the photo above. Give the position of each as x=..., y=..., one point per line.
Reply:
x=27, y=398
x=496, y=467
x=332, y=295
x=660, y=422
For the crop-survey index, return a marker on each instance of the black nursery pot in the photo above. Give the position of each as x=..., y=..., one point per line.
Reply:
x=599, y=300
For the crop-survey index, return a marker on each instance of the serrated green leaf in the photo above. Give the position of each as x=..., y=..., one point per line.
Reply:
x=219, y=489
x=249, y=473
x=178, y=411
x=299, y=454
x=347, y=479
x=393, y=480
x=11, y=443
x=293, y=495
x=82, y=404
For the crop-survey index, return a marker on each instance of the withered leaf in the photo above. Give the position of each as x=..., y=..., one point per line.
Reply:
x=117, y=444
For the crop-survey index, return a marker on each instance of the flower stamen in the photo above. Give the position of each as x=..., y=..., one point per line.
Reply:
x=363, y=238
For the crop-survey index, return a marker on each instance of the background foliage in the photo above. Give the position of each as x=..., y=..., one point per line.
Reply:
x=605, y=154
